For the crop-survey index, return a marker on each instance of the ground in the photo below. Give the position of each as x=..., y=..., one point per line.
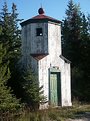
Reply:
x=81, y=117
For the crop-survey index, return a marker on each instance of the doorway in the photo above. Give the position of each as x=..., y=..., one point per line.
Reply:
x=55, y=88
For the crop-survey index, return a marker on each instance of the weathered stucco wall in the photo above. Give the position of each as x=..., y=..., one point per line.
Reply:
x=49, y=43
x=66, y=83
x=54, y=39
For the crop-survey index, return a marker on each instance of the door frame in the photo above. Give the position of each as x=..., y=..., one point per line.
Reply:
x=57, y=71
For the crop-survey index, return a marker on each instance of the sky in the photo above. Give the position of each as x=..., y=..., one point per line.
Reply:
x=54, y=8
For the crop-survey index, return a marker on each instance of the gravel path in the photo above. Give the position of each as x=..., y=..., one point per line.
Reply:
x=81, y=117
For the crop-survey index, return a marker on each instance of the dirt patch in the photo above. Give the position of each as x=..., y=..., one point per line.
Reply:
x=81, y=117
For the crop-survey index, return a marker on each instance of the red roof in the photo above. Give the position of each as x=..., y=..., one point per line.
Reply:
x=40, y=18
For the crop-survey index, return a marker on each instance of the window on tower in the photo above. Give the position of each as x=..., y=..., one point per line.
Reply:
x=39, y=32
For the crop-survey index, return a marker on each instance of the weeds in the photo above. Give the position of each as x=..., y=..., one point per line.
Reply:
x=53, y=114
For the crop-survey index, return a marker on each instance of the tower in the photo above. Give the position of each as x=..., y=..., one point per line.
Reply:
x=41, y=49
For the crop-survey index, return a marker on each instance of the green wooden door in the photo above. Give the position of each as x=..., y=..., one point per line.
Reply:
x=53, y=89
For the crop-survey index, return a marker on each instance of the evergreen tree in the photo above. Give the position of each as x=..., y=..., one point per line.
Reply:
x=26, y=89
x=15, y=34
x=85, y=58
x=70, y=10
x=15, y=52
x=11, y=30
x=7, y=100
x=76, y=47
x=11, y=34
x=71, y=29
x=88, y=23
x=33, y=94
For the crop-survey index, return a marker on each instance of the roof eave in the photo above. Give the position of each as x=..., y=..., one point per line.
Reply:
x=38, y=21
x=65, y=59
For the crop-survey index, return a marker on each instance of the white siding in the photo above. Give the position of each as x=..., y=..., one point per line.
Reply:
x=49, y=43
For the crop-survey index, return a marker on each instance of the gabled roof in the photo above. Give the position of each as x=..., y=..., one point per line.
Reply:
x=40, y=18
x=65, y=59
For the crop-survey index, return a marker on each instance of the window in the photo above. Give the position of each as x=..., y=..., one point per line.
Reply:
x=39, y=32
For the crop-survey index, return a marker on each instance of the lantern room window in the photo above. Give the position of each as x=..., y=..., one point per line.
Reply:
x=39, y=32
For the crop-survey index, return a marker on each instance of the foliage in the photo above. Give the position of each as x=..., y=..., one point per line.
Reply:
x=25, y=88
x=57, y=114
x=33, y=93
x=11, y=35
x=7, y=100
x=71, y=37
x=10, y=30
x=76, y=47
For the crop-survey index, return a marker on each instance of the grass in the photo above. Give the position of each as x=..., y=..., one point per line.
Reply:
x=54, y=114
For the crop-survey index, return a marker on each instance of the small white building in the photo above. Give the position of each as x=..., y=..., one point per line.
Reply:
x=41, y=48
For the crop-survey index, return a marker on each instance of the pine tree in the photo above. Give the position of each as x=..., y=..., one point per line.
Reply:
x=11, y=31
x=15, y=52
x=8, y=102
x=85, y=59
x=76, y=47
x=71, y=28
x=33, y=94
x=88, y=17
x=15, y=34
x=70, y=10
x=12, y=35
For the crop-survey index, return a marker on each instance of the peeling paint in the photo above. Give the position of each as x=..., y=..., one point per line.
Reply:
x=49, y=46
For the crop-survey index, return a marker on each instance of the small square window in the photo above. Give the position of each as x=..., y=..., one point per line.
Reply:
x=39, y=32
